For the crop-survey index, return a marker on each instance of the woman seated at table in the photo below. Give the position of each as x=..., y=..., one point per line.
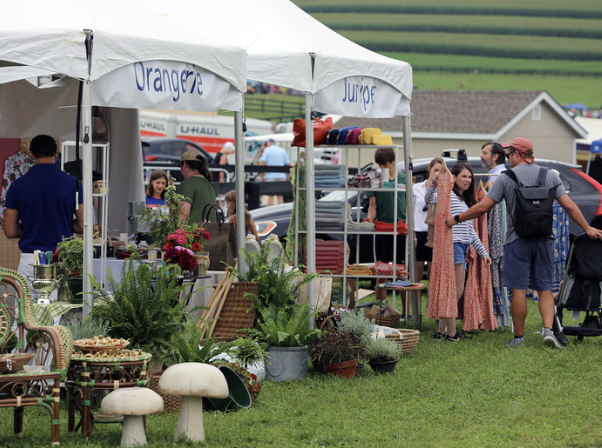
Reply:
x=251, y=229
x=155, y=193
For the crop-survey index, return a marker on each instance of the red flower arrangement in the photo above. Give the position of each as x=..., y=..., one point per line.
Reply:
x=181, y=246
x=189, y=239
x=181, y=256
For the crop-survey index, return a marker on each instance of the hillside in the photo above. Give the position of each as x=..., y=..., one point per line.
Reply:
x=475, y=44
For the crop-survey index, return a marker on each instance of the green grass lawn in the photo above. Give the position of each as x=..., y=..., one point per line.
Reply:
x=469, y=394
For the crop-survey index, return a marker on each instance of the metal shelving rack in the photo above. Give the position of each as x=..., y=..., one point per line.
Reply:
x=100, y=155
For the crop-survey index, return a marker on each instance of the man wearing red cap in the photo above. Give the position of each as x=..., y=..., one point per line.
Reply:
x=528, y=262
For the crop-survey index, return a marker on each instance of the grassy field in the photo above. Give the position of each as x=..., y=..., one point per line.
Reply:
x=473, y=393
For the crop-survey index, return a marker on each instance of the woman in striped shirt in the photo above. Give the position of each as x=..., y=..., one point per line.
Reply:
x=462, y=198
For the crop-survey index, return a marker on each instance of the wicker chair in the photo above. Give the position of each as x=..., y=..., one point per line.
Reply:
x=19, y=332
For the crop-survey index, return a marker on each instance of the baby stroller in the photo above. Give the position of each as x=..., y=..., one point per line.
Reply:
x=581, y=289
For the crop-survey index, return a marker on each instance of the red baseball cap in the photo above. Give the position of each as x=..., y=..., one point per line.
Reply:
x=520, y=144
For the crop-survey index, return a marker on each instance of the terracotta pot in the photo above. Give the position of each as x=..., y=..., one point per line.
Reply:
x=345, y=369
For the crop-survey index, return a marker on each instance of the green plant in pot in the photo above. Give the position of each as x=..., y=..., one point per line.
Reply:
x=383, y=355
x=70, y=254
x=336, y=353
x=285, y=333
x=145, y=307
x=356, y=323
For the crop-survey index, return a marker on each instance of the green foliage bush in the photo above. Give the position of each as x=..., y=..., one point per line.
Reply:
x=144, y=307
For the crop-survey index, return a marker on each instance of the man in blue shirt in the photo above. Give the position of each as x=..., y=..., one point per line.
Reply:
x=274, y=155
x=43, y=205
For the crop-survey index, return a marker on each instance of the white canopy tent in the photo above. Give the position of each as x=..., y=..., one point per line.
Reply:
x=289, y=48
x=127, y=57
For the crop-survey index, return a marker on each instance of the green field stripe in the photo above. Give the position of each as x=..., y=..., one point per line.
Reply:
x=552, y=27
x=418, y=60
x=523, y=47
x=453, y=10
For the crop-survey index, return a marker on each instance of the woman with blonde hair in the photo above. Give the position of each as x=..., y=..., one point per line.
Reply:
x=250, y=227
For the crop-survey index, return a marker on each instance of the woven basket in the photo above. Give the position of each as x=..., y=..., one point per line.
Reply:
x=409, y=341
x=385, y=321
x=171, y=403
x=238, y=312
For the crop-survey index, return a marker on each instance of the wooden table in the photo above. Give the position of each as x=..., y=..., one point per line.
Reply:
x=414, y=287
x=88, y=375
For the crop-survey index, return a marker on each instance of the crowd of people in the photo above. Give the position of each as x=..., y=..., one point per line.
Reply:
x=44, y=205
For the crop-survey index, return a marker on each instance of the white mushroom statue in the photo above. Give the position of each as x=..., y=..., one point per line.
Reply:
x=192, y=381
x=133, y=403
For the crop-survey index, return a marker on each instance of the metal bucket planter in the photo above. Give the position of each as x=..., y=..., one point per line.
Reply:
x=238, y=395
x=286, y=363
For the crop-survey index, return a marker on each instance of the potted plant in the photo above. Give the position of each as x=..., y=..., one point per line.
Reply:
x=356, y=323
x=336, y=353
x=145, y=307
x=383, y=355
x=249, y=353
x=69, y=254
x=285, y=333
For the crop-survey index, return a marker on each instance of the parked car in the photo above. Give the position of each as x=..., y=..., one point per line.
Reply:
x=582, y=189
x=165, y=153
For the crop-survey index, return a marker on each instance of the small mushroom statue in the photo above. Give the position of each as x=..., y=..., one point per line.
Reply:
x=192, y=381
x=133, y=403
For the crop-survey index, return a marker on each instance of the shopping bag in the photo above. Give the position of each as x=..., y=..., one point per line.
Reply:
x=221, y=244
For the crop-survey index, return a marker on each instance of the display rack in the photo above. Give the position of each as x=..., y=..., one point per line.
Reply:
x=346, y=232
x=100, y=194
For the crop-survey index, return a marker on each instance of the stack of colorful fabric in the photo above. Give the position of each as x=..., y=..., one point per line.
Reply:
x=331, y=256
x=330, y=215
x=330, y=176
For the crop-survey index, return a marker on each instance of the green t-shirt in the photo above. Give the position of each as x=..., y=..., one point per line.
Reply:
x=199, y=192
x=384, y=200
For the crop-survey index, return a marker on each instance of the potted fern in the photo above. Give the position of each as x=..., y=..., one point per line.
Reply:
x=282, y=325
x=145, y=307
x=285, y=333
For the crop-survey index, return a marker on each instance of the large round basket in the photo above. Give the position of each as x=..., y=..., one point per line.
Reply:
x=408, y=342
x=379, y=319
x=171, y=403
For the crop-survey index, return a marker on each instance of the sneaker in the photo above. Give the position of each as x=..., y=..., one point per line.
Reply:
x=516, y=343
x=462, y=335
x=438, y=336
x=549, y=339
x=454, y=338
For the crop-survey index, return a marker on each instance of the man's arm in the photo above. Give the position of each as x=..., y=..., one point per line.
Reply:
x=12, y=228
x=575, y=213
x=480, y=208
x=372, y=209
x=78, y=223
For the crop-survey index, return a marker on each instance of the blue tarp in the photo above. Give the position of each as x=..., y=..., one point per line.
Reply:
x=596, y=146
x=576, y=106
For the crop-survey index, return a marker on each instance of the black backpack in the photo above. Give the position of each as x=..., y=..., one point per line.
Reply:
x=533, y=207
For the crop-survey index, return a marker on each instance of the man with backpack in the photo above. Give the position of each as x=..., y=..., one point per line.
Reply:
x=529, y=191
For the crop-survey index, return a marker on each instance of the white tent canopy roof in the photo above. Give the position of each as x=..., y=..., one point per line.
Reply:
x=281, y=40
x=50, y=35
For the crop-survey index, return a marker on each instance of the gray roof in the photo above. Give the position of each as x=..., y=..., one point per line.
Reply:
x=455, y=111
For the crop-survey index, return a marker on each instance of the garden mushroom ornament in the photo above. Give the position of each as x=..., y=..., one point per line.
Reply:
x=192, y=381
x=133, y=403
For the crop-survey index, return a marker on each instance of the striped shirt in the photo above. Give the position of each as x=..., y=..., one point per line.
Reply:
x=463, y=232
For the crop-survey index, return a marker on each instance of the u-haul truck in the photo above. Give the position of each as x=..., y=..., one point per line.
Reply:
x=209, y=131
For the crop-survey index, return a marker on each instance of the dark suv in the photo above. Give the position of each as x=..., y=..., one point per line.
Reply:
x=165, y=153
